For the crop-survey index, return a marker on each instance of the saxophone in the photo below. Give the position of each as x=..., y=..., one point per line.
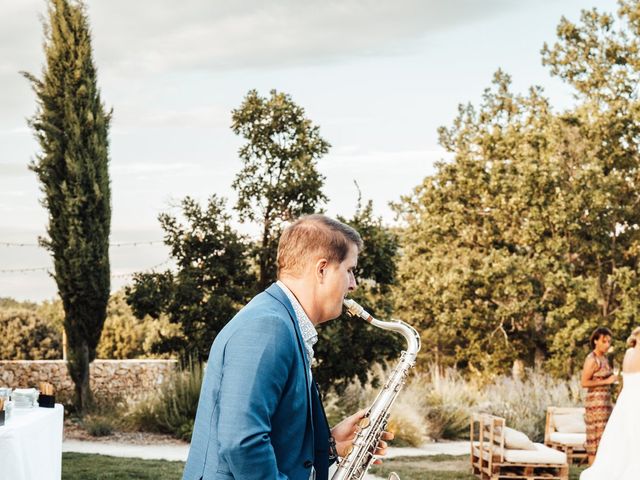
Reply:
x=360, y=456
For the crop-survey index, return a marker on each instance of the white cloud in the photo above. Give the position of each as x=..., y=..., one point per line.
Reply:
x=134, y=41
x=215, y=35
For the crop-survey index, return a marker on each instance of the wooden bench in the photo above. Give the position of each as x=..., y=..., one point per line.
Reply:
x=572, y=444
x=491, y=460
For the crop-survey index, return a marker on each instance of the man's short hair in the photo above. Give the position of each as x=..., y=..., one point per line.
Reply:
x=597, y=334
x=312, y=237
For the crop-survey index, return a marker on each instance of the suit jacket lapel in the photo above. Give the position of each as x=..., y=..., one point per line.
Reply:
x=276, y=292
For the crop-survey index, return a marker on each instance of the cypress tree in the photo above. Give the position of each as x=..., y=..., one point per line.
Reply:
x=71, y=126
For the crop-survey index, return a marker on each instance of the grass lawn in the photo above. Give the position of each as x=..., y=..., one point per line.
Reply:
x=436, y=467
x=80, y=466
x=433, y=467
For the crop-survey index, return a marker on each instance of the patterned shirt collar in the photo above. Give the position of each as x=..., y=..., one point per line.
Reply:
x=309, y=333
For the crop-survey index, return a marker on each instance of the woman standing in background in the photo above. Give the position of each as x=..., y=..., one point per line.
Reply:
x=597, y=378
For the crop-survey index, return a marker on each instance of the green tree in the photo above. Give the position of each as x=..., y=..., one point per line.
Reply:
x=279, y=180
x=210, y=285
x=599, y=57
x=348, y=347
x=475, y=266
x=71, y=126
x=528, y=238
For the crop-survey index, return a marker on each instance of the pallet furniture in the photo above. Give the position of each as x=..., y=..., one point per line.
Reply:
x=492, y=460
x=571, y=443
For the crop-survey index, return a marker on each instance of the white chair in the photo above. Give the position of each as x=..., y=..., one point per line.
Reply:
x=565, y=430
x=498, y=452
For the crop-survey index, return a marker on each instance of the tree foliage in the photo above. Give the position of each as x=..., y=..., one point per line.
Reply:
x=125, y=336
x=34, y=331
x=212, y=280
x=71, y=126
x=28, y=335
x=279, y=180
x=528, y=238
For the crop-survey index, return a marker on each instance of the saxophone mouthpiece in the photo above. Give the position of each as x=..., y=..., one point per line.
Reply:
x=355, y=310
x=352, y=307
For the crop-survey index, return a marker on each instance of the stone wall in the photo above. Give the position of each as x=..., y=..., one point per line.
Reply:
x=109, y=378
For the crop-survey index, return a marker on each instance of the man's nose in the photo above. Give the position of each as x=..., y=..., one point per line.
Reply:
x=352, y=283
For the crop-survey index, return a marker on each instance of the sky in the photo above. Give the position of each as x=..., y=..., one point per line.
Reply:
x=377, y=77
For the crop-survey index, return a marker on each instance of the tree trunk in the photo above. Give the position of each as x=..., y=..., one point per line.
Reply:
x=517, y=369
x=78, y=367
x=540, y=354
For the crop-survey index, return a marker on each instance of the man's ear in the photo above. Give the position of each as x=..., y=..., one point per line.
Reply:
x=321, y=269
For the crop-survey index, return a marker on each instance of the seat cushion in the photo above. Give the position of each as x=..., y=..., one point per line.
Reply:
x=516, y=440
x=569, y=423
x=569, y=439
x=541, y=454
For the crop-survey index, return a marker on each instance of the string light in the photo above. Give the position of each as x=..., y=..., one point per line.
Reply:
x=115, y=245
x=148, y=270
x=119, y=275
x=136, y=244
x=12, y=244
x=24, y=270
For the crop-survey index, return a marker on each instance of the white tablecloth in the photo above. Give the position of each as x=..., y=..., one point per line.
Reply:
x=31, y=444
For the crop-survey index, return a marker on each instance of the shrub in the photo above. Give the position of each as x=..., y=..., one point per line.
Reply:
x=34, y=331
x=173, y=408
x=407, y=424
x=405, y=421
x=523, y=402
x=438, y=404
x=354, y=397
x=28, y=336
x=125, y=336
x=448, y=401
x=98, y=426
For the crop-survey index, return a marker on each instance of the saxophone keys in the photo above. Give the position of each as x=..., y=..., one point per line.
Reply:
x=364, y=422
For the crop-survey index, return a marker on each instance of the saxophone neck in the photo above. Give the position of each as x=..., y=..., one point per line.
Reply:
x=407, y=331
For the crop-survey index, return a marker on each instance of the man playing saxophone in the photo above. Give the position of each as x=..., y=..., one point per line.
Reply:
x=260, y=415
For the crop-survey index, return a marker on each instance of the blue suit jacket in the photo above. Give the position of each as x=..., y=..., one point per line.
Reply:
x=255, y=418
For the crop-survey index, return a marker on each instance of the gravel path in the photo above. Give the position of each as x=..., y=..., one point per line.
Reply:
x=179, y=451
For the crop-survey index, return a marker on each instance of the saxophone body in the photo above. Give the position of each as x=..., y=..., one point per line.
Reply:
x=355, y=464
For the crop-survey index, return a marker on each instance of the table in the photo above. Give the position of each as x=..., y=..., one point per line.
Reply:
x=31, y=444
